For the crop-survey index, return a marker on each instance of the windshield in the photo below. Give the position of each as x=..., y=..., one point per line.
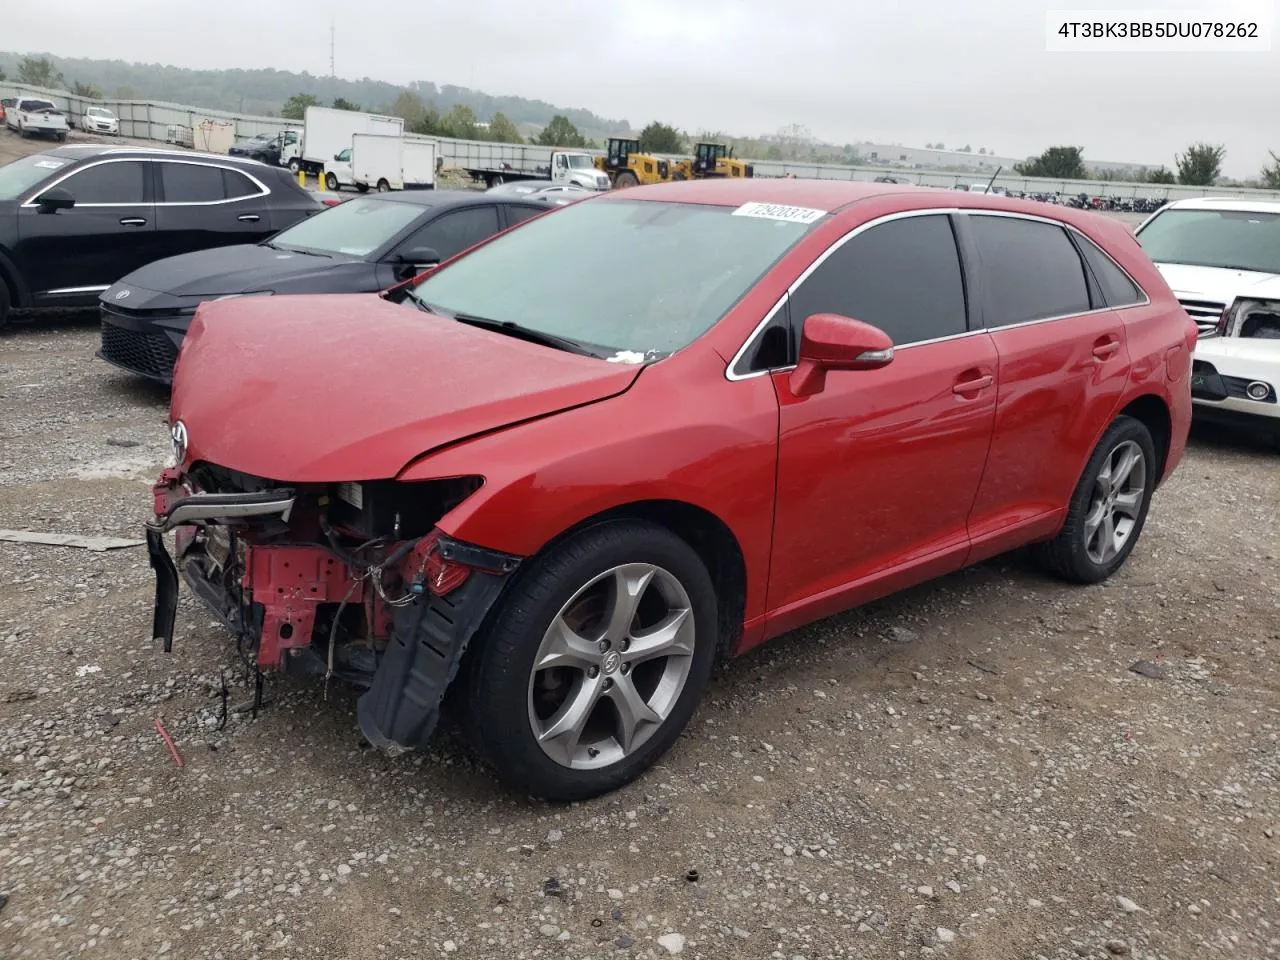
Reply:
x=21, y=175
x=30, y=106
x=579, y=162
x=355, y=228
x=100, y=112
x=641, y=277
x=1214, y=238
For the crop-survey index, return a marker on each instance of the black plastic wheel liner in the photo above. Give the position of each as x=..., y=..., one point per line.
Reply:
x=400, y=709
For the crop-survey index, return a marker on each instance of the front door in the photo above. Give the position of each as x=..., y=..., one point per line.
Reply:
x=69, y=256
x=877, y=473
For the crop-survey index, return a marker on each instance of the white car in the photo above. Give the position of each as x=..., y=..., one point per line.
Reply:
x=33, y=117
x=99, y=120
x=1221, y=257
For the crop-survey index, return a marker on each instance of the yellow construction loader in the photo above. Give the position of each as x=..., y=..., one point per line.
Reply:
x=712, y=160
x=627, y=166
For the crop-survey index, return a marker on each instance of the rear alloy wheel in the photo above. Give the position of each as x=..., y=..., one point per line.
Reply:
x=1109, y=506
x=595, y=663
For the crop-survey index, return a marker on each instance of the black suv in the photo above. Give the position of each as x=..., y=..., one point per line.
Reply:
x=75, y=219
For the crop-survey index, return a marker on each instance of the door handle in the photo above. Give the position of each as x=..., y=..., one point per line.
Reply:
x=248, y=218
x=1106, y=349
x=133, y=221
x=973, y=385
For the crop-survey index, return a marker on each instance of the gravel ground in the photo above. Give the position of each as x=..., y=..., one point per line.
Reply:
x=972, y=769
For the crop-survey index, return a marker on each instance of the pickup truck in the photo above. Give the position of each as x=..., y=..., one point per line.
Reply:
x=32, y=117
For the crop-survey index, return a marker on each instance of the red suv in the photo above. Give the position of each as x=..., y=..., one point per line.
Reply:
x=591, y=456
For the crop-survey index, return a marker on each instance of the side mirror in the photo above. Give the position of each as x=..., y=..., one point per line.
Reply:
x=414, y=260
x=51, y=201
x=829, y=341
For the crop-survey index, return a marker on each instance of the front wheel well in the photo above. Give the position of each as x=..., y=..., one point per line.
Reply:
x=1153, y=413
x=710, y=538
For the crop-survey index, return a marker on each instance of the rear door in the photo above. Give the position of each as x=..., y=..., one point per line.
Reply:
x=70, y=256
x=202, y=205
x=1063, y=364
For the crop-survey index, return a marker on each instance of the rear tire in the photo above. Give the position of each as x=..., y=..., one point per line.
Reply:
x=614, y=722
x=383, y=186
x=624, y=179
x=1108, y=508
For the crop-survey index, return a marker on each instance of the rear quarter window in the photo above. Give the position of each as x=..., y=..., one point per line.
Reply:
x=1117, y=289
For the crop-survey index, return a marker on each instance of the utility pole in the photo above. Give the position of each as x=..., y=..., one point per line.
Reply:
x=332, y=71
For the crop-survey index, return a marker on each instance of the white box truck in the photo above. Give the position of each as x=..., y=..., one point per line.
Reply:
x=383, y=163
x=327, y=132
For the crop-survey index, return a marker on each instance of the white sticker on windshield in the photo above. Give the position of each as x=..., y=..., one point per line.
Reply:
x=626, y=356
x=49, y=164
x=779, y=211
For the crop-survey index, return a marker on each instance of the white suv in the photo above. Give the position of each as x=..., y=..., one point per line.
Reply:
x=1221, y=257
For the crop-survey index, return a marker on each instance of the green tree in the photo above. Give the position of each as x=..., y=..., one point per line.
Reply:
x=39, y=72
x=661, y=138
x=966, y=149
x=342, y=103
x=460, y=122
x=86, y=90
x=1270, y=175
x=1058, y=163
x=560, y=133
x=1161, y=175
x=410, y=108
x=1200, y=165
x=295, y=108
x=502, y=130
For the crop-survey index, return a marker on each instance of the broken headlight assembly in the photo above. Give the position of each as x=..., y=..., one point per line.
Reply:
x=1246, y=318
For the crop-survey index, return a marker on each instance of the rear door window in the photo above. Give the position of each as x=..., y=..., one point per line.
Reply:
x=1030, y=270
x=519, y=212
x=902, y=276
x=191, y=183
x=112, y=183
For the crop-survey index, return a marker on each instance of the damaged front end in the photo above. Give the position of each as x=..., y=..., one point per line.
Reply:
x=353, y=581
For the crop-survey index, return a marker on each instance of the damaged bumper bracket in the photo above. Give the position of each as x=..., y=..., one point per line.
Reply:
x=221, y=507
x=400, y=709
x=166, y=602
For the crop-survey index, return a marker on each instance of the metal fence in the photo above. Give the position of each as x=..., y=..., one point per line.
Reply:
x=151, y=120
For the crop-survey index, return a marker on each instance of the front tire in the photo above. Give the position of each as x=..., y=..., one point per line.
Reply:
x=294, y=166
x=331, y=182
x=1109, y=506
x=624, y=179
x=383, y=186
x=595, y=662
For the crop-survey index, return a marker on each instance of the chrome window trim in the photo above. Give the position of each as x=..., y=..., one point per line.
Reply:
x=263, y=189
x=94, y=288
x=730, y=371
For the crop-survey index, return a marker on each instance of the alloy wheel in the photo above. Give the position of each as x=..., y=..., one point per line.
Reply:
x=611, y=666
x=1116, y=503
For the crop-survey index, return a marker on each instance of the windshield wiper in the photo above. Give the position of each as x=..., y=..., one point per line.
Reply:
x=524, y=333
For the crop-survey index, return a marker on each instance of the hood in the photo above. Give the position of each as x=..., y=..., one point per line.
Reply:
x=324, y=389
x=1218, y=284
x=246, y=268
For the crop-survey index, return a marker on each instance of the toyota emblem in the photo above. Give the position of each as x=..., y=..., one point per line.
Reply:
x=179, y=433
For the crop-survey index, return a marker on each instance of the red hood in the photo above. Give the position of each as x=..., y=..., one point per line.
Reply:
x=318, y=389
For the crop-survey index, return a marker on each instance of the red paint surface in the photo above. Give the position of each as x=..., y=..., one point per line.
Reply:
x=883, y=478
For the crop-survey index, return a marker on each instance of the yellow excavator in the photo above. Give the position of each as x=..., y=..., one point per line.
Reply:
x=712, y=160
x=627, y=166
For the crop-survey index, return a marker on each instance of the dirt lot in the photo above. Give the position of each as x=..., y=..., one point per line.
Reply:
x=969, y=770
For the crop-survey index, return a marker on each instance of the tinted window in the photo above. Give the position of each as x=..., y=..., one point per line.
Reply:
x=454, y=232
x=191, y=183
x=236, y=184
x=1030, y=270
x=902, y=276
x=519, y=214
x=116, y=182
x=1117, y=288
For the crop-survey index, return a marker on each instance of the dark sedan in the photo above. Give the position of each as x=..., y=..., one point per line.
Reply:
x=75, y=219
x=362, y=245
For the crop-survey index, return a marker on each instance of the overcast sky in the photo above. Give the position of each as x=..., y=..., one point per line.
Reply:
x=915, y=71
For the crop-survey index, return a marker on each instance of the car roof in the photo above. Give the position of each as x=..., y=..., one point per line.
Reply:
x=440, y=198
x=85, y=151
x=1239, y=204
x=834, y=195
